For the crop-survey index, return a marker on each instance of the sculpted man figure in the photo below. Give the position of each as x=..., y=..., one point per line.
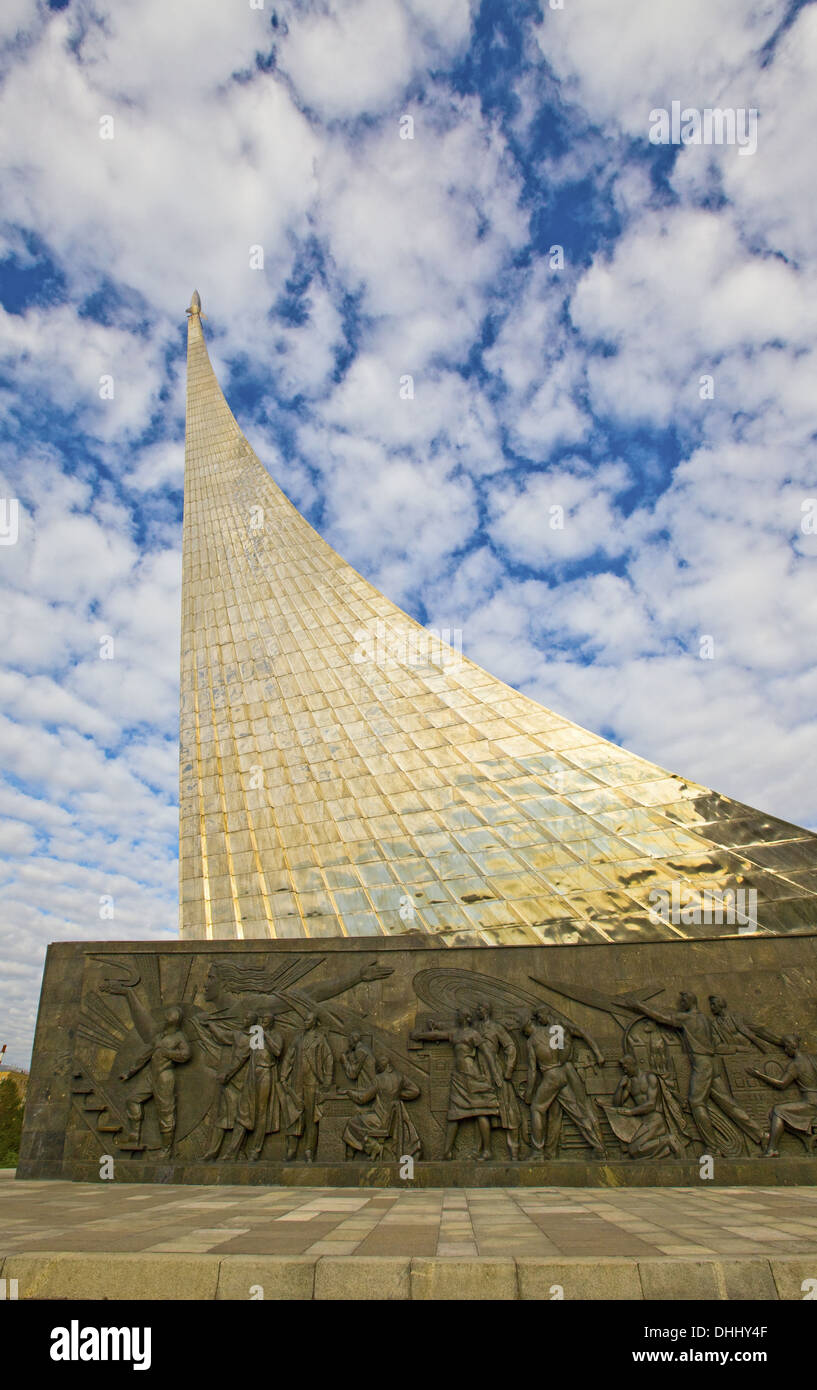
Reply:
x=306, y=1075
x=707, y=1078
x=168, y=1049
x=552, y=1076
x=358, y=1061
x=640, y=1097
x=501, y=1055
x=734, y=1033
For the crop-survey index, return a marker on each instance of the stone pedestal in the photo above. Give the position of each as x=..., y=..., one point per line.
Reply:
x=234, y=1062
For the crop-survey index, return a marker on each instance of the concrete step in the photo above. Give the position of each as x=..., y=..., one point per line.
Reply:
x=104, y=1275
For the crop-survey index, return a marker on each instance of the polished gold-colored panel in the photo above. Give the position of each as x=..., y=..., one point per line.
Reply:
x=337, y=778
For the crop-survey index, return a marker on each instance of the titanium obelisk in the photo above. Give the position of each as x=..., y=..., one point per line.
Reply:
x=365, y=795
x=343, y=774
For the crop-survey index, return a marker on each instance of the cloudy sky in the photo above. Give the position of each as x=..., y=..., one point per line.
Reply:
x=655, y=382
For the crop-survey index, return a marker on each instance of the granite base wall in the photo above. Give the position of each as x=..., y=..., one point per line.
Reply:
x=103, y=1006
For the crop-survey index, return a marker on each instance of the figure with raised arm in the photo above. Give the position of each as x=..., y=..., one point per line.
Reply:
x=472, y=1092
x=708, y=1082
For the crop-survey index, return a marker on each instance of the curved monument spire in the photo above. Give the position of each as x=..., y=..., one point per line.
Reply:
x=344, y=774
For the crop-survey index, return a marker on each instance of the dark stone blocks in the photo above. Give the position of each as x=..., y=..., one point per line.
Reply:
x=385, y=1063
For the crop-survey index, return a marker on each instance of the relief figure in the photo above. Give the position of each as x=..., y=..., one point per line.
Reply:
x=733, y=1033
x=472, y=1090
x=306, y=1075
x=501, y=1053
x=156, y=1068
x=258, y=1110
x=384, y=1125
x=644, y=1114
x=708, y=1081
x=553, y=1077
x=226, y=1116
x=358, y=1062
x=800, y=1117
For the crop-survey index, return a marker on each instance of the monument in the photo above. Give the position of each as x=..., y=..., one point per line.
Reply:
x=431, y=932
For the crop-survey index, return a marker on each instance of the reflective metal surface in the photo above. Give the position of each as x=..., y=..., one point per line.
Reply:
x=332, y=784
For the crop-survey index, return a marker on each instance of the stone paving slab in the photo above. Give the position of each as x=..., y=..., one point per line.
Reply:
x=108, y=1240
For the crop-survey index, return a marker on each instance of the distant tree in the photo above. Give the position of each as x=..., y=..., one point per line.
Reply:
x=11, y=1123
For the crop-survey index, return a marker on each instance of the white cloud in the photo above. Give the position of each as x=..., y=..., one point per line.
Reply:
x=680, y=293
x=697, y=53
x=562, y=514
x=768, y=189
x=347, y=58
x=16, y=838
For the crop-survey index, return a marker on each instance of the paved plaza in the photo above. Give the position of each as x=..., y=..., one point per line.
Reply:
x=43, y=1216
x=676, y=1242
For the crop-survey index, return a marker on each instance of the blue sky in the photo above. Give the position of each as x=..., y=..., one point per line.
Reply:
x=536, y=386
